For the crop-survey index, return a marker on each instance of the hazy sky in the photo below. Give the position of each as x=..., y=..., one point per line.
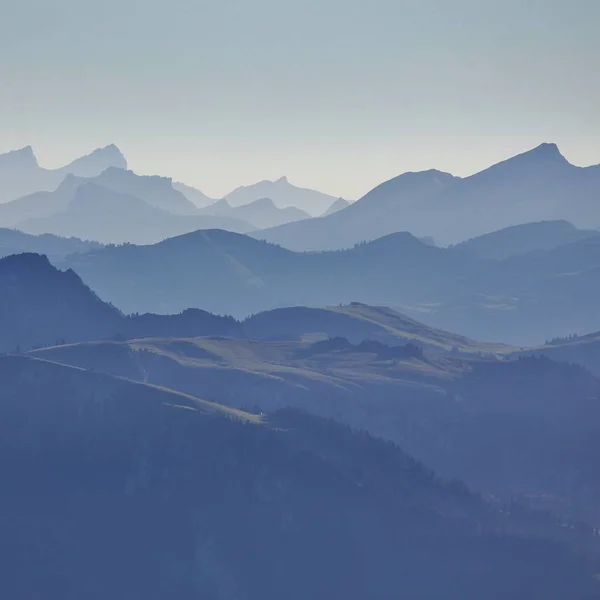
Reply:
x=337, y=94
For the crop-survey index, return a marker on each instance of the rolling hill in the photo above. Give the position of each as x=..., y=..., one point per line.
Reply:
x=357, y=323
x=155, y=493
x=524, y=429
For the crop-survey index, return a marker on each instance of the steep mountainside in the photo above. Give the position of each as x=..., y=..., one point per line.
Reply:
x=156, y=494
x=21, y=175
x=42, y=306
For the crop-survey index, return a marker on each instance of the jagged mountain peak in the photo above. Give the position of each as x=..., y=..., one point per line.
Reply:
x=22, y=157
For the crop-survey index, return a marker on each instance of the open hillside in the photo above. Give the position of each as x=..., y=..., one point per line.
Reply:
x=157, y=493
x=359, y=322
x=475, y=420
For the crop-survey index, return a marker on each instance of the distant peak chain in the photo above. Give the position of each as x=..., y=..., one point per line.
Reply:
x=536, y=185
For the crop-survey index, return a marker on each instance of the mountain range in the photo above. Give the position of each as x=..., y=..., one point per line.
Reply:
x=191, y=438
x=538, y=185
x=521, y=300
x=20, y=173
x=455, y=388
x=99, y=213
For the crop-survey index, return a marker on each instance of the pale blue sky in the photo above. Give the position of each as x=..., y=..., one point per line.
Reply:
x=336, y=94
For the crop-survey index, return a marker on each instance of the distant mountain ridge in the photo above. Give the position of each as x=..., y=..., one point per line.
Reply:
x=260, y=213
x=284, y=194
x=99, y=213
x=194, y=195
x=523, y=299
x=239, y=275
x=21, y=175
x=13, y=241
x=522, y=239
x=338, y=204
x=537, y=185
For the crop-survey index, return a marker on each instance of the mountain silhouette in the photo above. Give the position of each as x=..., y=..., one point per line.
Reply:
x=538, y=185
x=284, y=194
x=20, y=174
x=40, y=305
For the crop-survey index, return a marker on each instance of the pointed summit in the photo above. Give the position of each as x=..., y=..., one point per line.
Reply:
x=96, y=162
x=283, y=179
x=21, y=158
x=541, y=157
